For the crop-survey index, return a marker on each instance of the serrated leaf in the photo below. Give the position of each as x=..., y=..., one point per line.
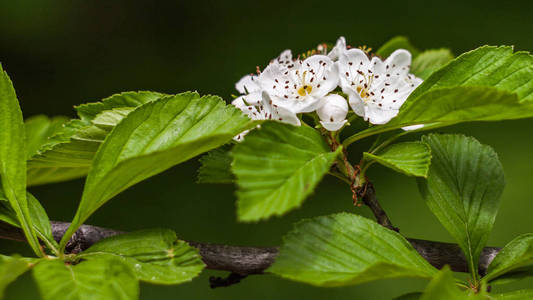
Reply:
x=346, y=249
x=89, y=111
x=11, y=267
x=443, y=287
x=514, y=261
x=216, y=166
x=409, y=158
x=153, y=138
x=514, y=295
x=39, y=129
x=486, y=84
x=463, y=190
x=277, y=167
x=13, y=157
x=399, y=42
x=156, y=255
x=68, y=154
x=100, y=279
x=429, y=61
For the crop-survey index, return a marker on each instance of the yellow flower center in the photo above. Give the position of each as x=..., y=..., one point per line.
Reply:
x=362, y=92
x=305, y=90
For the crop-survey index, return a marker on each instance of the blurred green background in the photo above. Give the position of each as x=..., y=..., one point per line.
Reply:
x=62, y=53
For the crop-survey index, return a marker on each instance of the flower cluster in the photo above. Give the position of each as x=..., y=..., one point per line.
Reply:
x=375, y=88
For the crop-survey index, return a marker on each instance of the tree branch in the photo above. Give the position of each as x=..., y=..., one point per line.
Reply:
x=243, y=261
x=368, y=194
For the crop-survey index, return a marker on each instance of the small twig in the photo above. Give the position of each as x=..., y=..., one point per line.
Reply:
x=368, y=194
x=233, y=278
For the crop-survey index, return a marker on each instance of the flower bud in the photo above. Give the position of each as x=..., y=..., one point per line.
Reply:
x=333, y=112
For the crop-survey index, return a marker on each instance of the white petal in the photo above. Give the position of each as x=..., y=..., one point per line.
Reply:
x=351, y=67
x=278, y=113
x=413, y=127
x=339, y=49
x=334, y=109
x=376, y=115
x=285, y=57
x=248, y=84
x=399, y=62
x=267, y=79
x=356, y=103
x=322, y=74
x=333, y=126
x=286, y=116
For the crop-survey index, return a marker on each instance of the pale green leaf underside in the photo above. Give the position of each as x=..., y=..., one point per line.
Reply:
x=429, y=61
x=409, y=158
x=11, y=267
x=153, y=138
x=398, y=42
x=463, y=190
x=101, y=279
x=346, y=249
x=277, y=167
x=38, y=129
x=486, y=84
x=13, y=157
x=514, y=261
x=216, y=166
x=89, y=111
x=156, y=255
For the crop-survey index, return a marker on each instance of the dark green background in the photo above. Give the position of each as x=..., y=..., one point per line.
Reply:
x=63, y=53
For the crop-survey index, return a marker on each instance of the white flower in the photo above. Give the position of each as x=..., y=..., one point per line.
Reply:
x=333, y=113
x=250, y=89
x=376, y=89
x=265, y=110
x=338, y=50
x=284, y=59
x=302, y=85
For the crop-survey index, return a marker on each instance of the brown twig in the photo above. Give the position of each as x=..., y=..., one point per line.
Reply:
x=255, y=260
x=368, y=194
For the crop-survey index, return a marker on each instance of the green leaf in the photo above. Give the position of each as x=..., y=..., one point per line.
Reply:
x=152, y=139
x=13, y=157
x=277, y=167
x=399, y=42
x=514, y=261
x=486, y=84
x=409, y=158
x=100, y=279
x=39, y=129
x=463, y=190
x=514, y=295
x=11, y=267
x=429, y=61
x=410, y=296
x=443, y=287
x=156, y=255
x=41, y=223
x=68, y=153
x=346, y=249
x=89, y=111
x=216, y=166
